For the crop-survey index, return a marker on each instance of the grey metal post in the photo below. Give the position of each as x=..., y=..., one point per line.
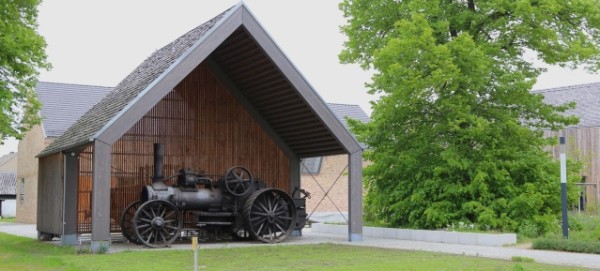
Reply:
x=563, y=188
x=71, y=176
x=355, y=212
x=101, y=197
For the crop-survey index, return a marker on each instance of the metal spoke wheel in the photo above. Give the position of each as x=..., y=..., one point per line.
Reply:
x=270, y=215
x=157, y=223
x=126, y=222
x=238, y=181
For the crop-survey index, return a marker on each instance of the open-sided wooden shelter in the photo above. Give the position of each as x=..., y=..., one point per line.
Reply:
x=223, y=94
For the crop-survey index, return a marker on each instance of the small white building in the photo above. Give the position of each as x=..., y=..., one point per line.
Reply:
x=8, y=197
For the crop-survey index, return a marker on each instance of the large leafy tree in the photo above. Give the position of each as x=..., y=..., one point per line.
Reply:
x=21, y=55
x=456, y=135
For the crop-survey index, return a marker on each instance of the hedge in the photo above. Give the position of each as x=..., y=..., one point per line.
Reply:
x=567, y=245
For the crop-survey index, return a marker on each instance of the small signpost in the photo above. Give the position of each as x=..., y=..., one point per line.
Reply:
x=195, y=249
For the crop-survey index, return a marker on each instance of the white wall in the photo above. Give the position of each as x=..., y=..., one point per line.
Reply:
x=9, y=208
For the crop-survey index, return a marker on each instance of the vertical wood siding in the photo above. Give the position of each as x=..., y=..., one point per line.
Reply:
x=50, y=191
x=84, y=197
x=202, y=127
x=583, y=144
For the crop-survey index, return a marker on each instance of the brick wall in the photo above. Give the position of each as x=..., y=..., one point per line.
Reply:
x=331, y=168
x=27, y=174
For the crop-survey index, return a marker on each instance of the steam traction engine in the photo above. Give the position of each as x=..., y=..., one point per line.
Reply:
x=236, y=203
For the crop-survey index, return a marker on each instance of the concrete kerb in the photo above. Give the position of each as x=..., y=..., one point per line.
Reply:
x=464, y=238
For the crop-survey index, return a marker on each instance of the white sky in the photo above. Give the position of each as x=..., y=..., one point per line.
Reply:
x=97, y=42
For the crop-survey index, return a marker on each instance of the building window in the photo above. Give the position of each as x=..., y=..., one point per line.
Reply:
x=311, y=165
x=22, y=190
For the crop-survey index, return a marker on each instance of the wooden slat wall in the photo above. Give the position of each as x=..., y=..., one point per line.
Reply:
x=84, y=197
x=50, y=191
x=583, y=144
x=202, y=127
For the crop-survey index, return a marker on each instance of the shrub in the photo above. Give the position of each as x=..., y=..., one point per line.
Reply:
x=529, y=230
x=575, y=224
x=567, y=245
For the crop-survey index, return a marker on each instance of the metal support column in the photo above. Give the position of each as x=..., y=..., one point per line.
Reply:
x=101, y=197
x=355, y=211
x=71, y=175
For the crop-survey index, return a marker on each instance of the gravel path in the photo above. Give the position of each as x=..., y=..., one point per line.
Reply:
x=591, y=261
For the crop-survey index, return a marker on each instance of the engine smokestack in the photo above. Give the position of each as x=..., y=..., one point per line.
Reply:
x=158, y=178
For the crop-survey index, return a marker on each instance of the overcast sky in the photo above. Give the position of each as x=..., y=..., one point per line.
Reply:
x=101, y=42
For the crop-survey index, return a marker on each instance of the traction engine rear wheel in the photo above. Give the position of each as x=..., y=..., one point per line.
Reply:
x=270, y=215
x=126, y=222
x=157, y=223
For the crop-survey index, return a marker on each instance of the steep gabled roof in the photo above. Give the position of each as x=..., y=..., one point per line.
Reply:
x=586, y=97
x=8, y=183
x=63, y=104
x=252, y=66
x=85, y=129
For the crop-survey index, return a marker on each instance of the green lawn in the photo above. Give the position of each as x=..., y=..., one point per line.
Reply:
x=17, y=253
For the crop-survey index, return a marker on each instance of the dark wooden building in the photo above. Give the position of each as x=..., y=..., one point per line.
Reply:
x=222, y=94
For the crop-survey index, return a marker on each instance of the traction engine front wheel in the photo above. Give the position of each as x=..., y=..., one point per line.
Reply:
x=126, y=222
x=157, y=223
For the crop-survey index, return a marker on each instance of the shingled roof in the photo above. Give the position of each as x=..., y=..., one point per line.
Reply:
x=63, y=104
x=8, y=183
x=586, y=97
x=83, y=131
x=249, y=62
x=7, y=157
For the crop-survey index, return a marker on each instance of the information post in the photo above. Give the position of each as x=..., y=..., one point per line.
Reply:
x=563, y=187
x=195, y=249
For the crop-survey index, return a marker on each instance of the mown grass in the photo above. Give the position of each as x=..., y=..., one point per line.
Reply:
x=17, y=253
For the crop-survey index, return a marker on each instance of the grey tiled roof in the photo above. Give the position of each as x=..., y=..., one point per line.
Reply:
x=4, y=159
x=63, y=104
x=8, y=183
x=126, y=91
x=351, y=111
x=341, y=111
x=586, y=96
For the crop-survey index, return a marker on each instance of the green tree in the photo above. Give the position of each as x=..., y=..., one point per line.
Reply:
x=456, y=135
x=21, y=55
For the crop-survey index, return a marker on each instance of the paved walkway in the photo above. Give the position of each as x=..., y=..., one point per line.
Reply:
x=25, y=230
x=591, y=261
